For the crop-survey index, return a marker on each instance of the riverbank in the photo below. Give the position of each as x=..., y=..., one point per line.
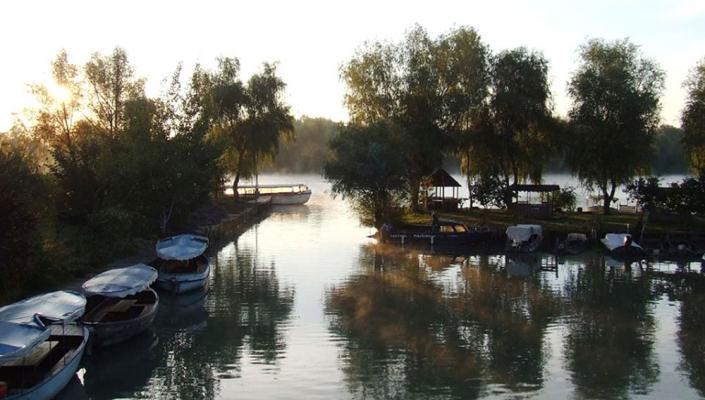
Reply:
x=589, y=223
x=218, y=220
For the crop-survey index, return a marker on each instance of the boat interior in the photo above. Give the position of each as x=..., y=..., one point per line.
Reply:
x=110, y=309
x=196, y=265
x=47, y=359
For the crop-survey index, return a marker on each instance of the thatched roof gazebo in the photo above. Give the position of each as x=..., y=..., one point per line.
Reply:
x=442, y=191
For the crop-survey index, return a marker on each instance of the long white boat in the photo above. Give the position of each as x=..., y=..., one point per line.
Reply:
x=41, y=345
x=120, y=303
x=284, y=194
x=181, y=265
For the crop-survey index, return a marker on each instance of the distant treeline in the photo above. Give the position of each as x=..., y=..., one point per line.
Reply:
x=308, y=152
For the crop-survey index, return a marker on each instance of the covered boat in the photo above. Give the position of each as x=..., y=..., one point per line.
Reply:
x=121, y=303
x=41, y=346
x=622, y=244
x=181, y=265
x=524, y=238
x=284, y=194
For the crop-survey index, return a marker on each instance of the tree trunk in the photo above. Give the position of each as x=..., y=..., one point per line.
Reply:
x=236, y=182
x=607, y=198
x=414, y=184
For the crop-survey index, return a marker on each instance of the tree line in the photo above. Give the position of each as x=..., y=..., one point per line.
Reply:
x=95, y=170
x=413, y=102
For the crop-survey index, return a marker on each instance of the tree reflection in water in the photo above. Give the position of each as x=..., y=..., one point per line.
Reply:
x=204, y=341
x=691, y=338
x=609, y=347
x=410, y=334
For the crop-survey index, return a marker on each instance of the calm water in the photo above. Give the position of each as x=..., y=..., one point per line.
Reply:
x=304, y=305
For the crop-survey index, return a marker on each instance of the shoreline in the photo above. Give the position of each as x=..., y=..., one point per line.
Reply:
x=237, y=219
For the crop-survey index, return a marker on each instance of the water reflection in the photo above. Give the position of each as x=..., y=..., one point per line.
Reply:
x=424, y=337
x=610, y=345
x=691, y=339
x=201, y=338
x=373, y=321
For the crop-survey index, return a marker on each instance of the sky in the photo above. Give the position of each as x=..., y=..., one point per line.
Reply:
x=310, y=40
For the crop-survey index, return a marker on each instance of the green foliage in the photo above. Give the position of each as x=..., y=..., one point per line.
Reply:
x=22, y=209
x=670, y=156
x=693, y=118
x=615, y=111
x=566, y=199
x=430, y=89
x=367, y=167
x=514, y=135
x=686, y=197
x=309, y=152
x=646, y=193
x=249, y=119
x=487, y=190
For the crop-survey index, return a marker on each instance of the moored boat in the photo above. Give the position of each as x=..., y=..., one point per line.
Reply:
x=524, y=237
x=574, y=243
x=622, y=245
x=41, y=345
x=449, y=233
x=120, y=303
x=181, y=265
x=284, y=194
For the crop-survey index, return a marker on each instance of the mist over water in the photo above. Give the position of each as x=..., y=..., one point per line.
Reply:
x=304, y=305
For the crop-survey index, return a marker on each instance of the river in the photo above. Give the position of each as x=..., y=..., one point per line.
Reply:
x=305, y=305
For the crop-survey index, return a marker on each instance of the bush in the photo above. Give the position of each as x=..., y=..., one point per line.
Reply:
x=566, y=199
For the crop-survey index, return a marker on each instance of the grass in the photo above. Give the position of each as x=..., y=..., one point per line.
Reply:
x=565, y=222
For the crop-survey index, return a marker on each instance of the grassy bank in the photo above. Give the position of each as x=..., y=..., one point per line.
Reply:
x=566, y=222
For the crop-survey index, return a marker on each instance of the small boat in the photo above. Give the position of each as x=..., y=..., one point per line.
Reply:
x=449, y=233
x=574, y=243
x=181, y=265
x=41, y=345
x=524, y=238
x=284, y=194
x=120, y=303
x=622, y=244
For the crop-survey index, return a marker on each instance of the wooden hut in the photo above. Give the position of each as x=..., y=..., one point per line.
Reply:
x=535, y=201
x=442, y=191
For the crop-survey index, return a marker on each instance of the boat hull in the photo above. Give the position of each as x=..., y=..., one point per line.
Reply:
x=183, y=282
x=110, y=333
x=52, y=385
x=290, y=199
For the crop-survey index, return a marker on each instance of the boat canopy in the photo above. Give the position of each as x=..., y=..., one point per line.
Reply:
x=522, y=233
x=182, y=247
x=616, y=240
x=60, y=306
x=17, y=340
x=121, y=282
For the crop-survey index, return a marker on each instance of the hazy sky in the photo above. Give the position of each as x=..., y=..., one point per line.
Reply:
x=311, y=39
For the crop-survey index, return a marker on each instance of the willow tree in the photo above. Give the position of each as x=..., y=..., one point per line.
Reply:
x=367, y=167
x=426, y=87
x=514, y=134
x=693, y=118
x=251, y=119
x=615, y=94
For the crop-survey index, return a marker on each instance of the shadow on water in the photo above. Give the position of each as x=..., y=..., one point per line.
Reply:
x=201, y=338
